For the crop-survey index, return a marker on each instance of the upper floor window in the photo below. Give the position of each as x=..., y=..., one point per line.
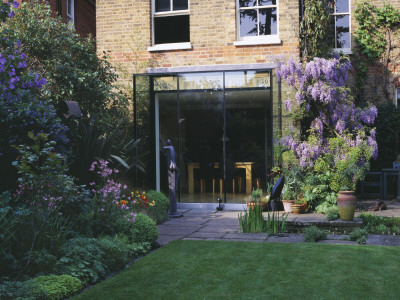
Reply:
x=70, y=11
x=341, y=18
x=170, y=21
x=258, y=21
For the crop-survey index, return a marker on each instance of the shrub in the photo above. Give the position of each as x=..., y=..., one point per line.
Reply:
x=314, y=234
x=380, y=225
x=73, y=69
x=115, y=252
x=158, y=212
x=28, y=290
x=22, y=108
x=138, y=249
x=82, y=258
x=359, y=235
x=57, y=286
x=144, y=230
x=332, y=213
x=42, y=262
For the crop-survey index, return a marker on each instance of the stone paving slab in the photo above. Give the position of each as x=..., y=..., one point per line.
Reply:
x=338, y=242
x=177, y=230
x=207, y=235
x=223, y=223
x=337, y=237
x=286, y=238
x=211, y=225
x=242, y=240
x=246, y=236
x=216, y=228
x=186, y=221
x=165, y=239
x=383, y=240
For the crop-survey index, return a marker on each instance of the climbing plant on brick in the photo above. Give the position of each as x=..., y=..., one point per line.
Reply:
x=377, y=38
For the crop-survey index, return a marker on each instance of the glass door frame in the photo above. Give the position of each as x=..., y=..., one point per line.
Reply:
x=153, y=111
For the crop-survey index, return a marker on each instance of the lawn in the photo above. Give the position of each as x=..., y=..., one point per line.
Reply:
x=246, y=270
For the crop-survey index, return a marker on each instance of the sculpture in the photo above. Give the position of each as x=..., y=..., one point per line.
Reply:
x=173, y=175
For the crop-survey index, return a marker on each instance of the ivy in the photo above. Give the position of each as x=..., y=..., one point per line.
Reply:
x=377, y=37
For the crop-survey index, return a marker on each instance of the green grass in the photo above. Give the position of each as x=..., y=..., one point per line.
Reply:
x=245, y=270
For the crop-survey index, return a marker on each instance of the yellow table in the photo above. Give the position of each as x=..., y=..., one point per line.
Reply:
x=242, y=165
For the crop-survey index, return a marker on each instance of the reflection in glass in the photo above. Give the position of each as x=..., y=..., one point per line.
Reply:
x=180, y=4
x=342, y=6
x=167, y=83
x=268, y=21
x=266, y=2
x=247, y=79
x=248, y=22
x=162, y=5
x=247, y=3
x=201, y=81
x=343, y=31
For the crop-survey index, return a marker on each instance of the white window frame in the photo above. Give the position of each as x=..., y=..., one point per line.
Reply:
x=342, y=50
x=397, y=96
x=71, y=14
x=171, y=46
x=259, y=39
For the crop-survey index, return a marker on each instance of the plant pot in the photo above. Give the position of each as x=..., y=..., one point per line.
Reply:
x=346, y=202
x=250, y=204
x=298, y=208
x=287, y=205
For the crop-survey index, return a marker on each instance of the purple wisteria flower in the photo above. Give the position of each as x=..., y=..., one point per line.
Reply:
x=321, y=87
x=288, y=105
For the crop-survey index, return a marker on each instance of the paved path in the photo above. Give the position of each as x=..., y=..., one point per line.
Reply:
x=211, y=225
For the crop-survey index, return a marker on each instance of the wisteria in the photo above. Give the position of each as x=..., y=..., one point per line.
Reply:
x=321, y=88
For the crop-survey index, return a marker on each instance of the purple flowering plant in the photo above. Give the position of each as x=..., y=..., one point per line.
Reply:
x=321, y=92
x=21, y=108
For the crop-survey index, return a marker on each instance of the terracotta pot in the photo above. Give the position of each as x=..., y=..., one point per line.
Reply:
x=346, y=202
x=250, y=204
x=298, y=208
x=287, y=205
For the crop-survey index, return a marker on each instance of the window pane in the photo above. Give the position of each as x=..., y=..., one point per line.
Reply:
x=268, y=21
x=343, y=31
x=163, y=5
x=266, y=2
x=342, y=6
x=247, y=3
x=180, y=4
x=69, y=7
x=248, y=22
x=174, y=29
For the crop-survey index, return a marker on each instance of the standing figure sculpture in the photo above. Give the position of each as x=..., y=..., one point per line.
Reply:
x=173, y=174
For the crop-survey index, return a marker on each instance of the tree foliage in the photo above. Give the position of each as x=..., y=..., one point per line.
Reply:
x=70, y=64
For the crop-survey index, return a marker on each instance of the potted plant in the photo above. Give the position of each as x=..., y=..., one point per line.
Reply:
x=288, y=198
x=292, y=188
x=348, y=171
x=299, y=206
x=257, y=199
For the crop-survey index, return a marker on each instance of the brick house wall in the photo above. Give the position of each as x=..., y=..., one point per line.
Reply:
x=124, y=31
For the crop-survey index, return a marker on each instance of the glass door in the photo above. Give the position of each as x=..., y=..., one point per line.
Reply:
x=201, y=105
x=247, y=124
